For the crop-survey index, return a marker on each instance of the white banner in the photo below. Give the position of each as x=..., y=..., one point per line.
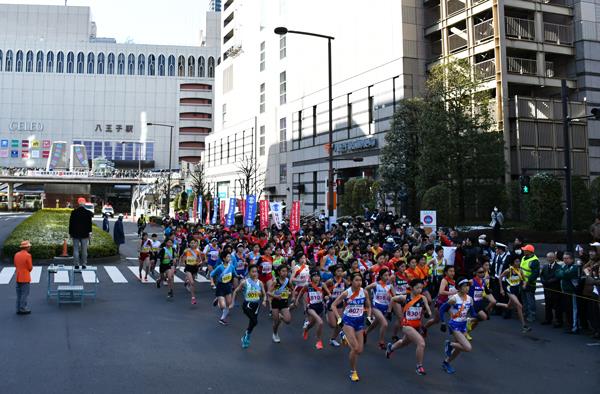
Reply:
x=429, y=221
x=449, y=254
x=276, y=213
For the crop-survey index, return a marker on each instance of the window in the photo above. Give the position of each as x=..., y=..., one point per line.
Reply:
x=191, y=66
x=211, y=67
x=90, y=63
x=120, y=64
x=29, y=62
x=149, y=151
x=282, y=46
x=60, y=62
x=108, y=150
x=314, y=123
x=100, y=68
x=349, y=113
x=39, y=62
x=131, y=64
x=80, y=62
x=283, y=173
x=49, y=62
x=261, y=141
x=70, y=62
x=88, y=148
x=201, y=66
x=262, y=56
x=161, y=65
x=1, y=60
x=181, y=66
x=370, y=103
x=19, y=62
x=141, y=64
x=282, y=135
x=118, y=151
x=299, y=126
x=282, y=88
x=262, y=98
x=151, y=65
x=129, y=151
x=9, y=60
x=97, y=149
x=224, y=113
x=171, y=66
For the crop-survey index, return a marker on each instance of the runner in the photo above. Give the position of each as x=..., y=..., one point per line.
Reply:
x=238, y=259
x=191, y=260
x=221, y=278
x=477, y=291
x=144, y=259
x=211, y=254
x=383, y=293
x=336, y=287
x=154, y=253
x=413, y=306
x=447, y=289
x=254, y=290
x=400, y=288
x=357, y=302
x=514, y=282
x=280, y=291
x=460, y=306
x=316, y=294
x=166, y=256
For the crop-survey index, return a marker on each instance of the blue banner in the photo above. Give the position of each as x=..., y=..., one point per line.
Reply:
x=215, y=211
x=250, y=211
x=230, y=220
x=199, y=213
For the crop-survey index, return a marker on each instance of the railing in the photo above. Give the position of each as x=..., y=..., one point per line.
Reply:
x=454, y=6
x=549, y=70
x=483, y=30
x=523, y=29
x=486, y=69
x=558, y=34
x=435, y=49
x=432, y=15
x=522, y=66
x=456, y=43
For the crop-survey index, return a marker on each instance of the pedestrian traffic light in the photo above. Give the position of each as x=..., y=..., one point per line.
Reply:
x=596, y=113
x=339, y=184
x=525, y=187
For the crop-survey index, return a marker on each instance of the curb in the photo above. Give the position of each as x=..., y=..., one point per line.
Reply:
x=95, y=261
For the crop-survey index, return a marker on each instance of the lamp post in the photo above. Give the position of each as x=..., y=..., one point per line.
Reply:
x=283, y=30
x=170, y=156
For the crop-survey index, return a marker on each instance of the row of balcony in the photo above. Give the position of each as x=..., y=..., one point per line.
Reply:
x=524, y=29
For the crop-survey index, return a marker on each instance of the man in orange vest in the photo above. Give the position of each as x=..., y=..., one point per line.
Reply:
x=23, y=266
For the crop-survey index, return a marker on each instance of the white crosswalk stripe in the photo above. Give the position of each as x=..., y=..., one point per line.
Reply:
x=36, y=274
x=115, y=275
x=88, y=276
x=176, y=278
x=136, y=272
x=6, y=275
x=61, y=277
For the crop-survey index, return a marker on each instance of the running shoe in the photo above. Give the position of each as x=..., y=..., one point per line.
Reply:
x=193, y=300
x=381, y=345
x=158, y=284
x=305, y=334
x=395, y=338
x=305, y=324
x=421, y=370
x=141, y=278
x=145, y=279
x=447, y=348
x=215, y=302
x=276, y=338
x=525, y=329
x=170, y=294
x=319, y=345
x=245, y=342
x=354, y=376
x=343, y=338
x=223, y=322
x=448, y=368
x=468, y=336
x=334, y=343
x=388, y=350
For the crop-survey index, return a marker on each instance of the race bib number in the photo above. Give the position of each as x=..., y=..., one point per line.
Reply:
x=226, y=278
x=413, y=313
x=354, y=311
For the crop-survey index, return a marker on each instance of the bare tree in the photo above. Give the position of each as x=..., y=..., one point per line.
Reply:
x=251, y=177
x=198, y=180
x=161, y=187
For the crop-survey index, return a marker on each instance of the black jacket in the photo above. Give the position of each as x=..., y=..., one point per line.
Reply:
x=548, y=276
x=80, y=223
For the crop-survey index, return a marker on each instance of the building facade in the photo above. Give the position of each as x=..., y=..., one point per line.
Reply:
x=60, y=82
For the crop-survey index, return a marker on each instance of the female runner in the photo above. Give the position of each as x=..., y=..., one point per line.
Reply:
x=383, y=293
x=223, y=275
x=254, y=290
x=316, y=294
x=191, y=259
x=144, y=260
x=447, y=289
x=280, y=291
x=336, y=287
x=514, y=281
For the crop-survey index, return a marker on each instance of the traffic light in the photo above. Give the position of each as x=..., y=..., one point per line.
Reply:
x=339, y=184
x=596, y=113
x=525, y=187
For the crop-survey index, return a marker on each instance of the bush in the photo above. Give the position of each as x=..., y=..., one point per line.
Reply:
x=544, y=203
x=582, y=204
x=595, y=195
x=47, y=229
x=437, y=198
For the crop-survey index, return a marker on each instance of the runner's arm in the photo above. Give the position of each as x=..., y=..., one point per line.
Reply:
x=337, y=302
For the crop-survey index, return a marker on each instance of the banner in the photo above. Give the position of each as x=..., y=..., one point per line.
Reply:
x=215, y=210
x=264, y=214
x=207, y=211
x=276, y=213
x=295, y=217
x=231, y=212
x=449, y=254
x=222, y=212
x=199, y=205
x=195, y=210
x=250, y=211
x=242, y=207
x=429, y=221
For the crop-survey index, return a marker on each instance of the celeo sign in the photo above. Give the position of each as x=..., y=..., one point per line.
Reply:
x=355, y=145
x=26, y=126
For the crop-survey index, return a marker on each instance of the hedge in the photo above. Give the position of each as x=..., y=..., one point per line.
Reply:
x=46, y=230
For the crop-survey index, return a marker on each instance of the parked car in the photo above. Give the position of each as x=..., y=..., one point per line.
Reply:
x=89, y=206
x=108, y=210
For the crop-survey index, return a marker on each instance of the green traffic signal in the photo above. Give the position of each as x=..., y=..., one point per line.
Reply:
x=525, y=189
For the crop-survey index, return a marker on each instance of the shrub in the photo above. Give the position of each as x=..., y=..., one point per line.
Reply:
x=582, y=204
x=47, y=229
x=544, y=203
x=437, y=198
x=595, y=195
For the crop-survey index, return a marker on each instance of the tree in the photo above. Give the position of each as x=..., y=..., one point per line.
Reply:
x=399, y=169
x=595, y=195
x=458, y=146
x=251, y=177
x=182, y=202
x=198, y=180
x=544, y=203
x=582, y=204
x=160, y=190
x=437, y=198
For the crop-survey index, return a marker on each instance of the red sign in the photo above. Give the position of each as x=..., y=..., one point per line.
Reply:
x=242, y=206
x=222, y=211
x=264, y=214
x=295, y=217
x=195, y=209
x=208, y=211
x=45, y=154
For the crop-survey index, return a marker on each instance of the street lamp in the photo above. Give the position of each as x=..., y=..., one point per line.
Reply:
x=170, y=155
x=283, y=30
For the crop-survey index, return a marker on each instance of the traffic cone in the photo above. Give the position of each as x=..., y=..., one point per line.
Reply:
x=64, y=251
x=126, y=216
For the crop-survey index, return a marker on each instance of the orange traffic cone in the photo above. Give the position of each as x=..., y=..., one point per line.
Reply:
x=64, y=250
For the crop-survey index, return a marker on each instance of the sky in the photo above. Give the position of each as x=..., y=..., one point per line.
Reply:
x=161, y=22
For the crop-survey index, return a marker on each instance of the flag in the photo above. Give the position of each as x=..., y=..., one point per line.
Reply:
x=222, y=212
x=200, y=206
x=195, y=209
x=295, y=217
x=207, y=211
x=264, y=214
x=276, y=213
x=231, y=212
x=215, y=210
x=250, y=211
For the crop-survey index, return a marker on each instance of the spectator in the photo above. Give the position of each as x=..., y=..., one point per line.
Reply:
x=595, y=229
x=496, y=223
x=80, y=230
x=569, y=280
x=118, y=232
x=23, y=266
x=591, y=302
x=530, y=266
x=552, y=296
x=105, y=223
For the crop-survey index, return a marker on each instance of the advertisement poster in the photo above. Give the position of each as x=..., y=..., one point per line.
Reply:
x=207, y=211
x=250, y=211
x=264, y=214
x=4, y=144
x=295, y=217
x=231, y=212
x=215, y=211
x=3, y=153
x=222, y=212
x=276, y=213
x=46, y=144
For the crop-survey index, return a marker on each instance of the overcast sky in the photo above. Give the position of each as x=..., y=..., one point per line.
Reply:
x=168, y=22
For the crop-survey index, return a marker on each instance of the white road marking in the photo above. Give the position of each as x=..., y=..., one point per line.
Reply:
x=115, y=275
x=136, y=272
x=36, y=274
x=61, y=277
x=6, y=275
x=88, y=276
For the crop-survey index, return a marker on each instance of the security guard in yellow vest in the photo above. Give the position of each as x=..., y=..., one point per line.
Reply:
x=530, y=266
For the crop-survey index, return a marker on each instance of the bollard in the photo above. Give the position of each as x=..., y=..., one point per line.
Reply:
x=64, y=250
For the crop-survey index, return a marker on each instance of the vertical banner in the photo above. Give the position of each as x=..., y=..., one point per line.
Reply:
x=207, y=211
x=250, y=211
x=215, y=210
x=231, y=212
x=199, y=213
x=222, y=212
x=264, y=214
x=295, y=217
x=242, y=207
x=276, y=213
x=195, y=210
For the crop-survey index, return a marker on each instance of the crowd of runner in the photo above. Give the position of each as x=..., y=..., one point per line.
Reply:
x=380, y=279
